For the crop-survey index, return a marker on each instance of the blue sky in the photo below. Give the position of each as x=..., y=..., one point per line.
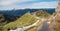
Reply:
x=32, y=4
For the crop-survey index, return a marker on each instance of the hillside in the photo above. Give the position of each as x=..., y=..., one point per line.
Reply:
x=5, y=19
x=13, y=22
x=25, y=20
x=42, y=14
x=2, y=21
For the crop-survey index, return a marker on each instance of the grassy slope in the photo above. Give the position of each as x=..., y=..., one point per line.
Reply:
x=42, y=14
x=34, y=28
x=25, y=20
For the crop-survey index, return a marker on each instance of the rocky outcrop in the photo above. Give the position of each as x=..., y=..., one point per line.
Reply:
x=56, y=22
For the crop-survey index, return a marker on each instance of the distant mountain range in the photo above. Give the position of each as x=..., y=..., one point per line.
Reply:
x=20, y=12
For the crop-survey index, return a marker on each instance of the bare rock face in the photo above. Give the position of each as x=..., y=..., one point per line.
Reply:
x=55, y=25
x=57, y=18
x=58, y=8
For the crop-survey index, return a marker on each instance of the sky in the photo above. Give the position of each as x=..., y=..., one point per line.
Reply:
x=23, y=4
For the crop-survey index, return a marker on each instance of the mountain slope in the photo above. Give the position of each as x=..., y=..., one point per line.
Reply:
x=42, y=14
x=25, y=20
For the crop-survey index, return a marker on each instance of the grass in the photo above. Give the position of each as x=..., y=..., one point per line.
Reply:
x=41, y=14
x=34, y=28
x=25, y=20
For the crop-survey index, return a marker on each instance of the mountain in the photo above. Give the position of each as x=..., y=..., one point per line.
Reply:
x=5, y=19
x=13, y=19
x=20, y=12
x=42, y=14
x=25, y=20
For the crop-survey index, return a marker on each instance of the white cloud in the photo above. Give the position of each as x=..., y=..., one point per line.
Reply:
x=52, y=4
x=7, y=2
x=10, y=4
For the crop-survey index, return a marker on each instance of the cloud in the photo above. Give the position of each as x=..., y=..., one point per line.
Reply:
x=10, y=4
x=7, y=2
x=52, y=4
